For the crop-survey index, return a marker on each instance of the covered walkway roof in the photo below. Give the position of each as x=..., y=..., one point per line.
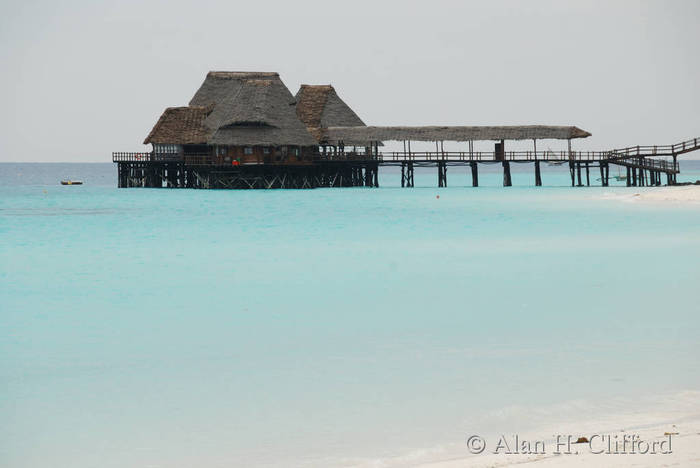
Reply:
x=365, y=135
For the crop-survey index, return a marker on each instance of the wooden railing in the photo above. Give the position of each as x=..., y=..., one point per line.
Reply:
x=131, y=157
x=491, y=156
x=648, y=164
x=631, y=153
x=658, y=150
x=158, y=157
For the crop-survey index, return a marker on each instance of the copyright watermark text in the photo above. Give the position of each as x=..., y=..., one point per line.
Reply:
x=564, y=444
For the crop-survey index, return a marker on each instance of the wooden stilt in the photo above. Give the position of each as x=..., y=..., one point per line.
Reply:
x=588, y=176
x=629, y=177
x=606, y=179
x=572, y=172
x=507, y=182
x=538, y=175
x=578, y=174
x=475, y=173
x=442, y=174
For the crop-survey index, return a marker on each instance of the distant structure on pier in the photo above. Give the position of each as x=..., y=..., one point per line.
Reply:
x=319, y=107
x=247, y=130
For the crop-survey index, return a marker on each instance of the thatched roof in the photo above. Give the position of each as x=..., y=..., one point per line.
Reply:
x=243, y=108
x=181, y=126
x=319, y=106
x=258, y=112
x=219, y=85
x=363, y=135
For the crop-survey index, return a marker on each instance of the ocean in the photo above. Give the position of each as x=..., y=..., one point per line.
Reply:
x=330, y=327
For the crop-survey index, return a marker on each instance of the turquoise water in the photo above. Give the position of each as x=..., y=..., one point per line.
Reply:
x=150, y=327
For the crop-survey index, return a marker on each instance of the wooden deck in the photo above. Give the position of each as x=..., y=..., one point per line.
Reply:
x=644, y=166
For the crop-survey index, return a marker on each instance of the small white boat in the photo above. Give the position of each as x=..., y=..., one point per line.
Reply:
x=71, y=182
x=555, y=163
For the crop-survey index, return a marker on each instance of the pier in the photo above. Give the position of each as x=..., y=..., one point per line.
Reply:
x=245, y=130
x=643, y=166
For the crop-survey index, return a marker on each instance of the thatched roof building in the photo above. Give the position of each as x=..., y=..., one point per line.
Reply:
x=361, y=135
x=319, y=107
x=246, y=109
x=235, y=109
x=181, y=126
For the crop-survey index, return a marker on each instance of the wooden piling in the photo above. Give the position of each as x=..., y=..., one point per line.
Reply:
x=604, y=174
x=572, y=172
x=578, y=175
x=507, y=182
x=442, y=174
x=629, y=177
x=538, y=175
x=475, y=173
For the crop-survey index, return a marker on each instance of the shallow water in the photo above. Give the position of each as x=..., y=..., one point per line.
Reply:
x=149, y=327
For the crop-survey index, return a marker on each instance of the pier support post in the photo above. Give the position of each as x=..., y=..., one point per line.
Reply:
x=507, y=182
x=475, y=173
x=607, y=174
x=629, y=177
x=375, y=170
x=602, y=175
x=588, y=176
x=573, y=176
x=578, y=174
x=538, y=175
x=442, y=174
x=406, y=174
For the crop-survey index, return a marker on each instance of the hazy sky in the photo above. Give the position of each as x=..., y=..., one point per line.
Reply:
x=80, y=79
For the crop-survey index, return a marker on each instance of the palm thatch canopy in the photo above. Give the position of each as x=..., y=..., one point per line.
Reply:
x=235, y=108
x=181, y=126
x=319, y=106
x=364, y=135
x=219, y=85
x=258, y=112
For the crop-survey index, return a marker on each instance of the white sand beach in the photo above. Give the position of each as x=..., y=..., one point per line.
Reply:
x=684, y=450
x=681, y=194
x=668, y=422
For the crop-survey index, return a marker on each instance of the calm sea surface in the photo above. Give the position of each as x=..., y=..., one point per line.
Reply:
x=179, y=328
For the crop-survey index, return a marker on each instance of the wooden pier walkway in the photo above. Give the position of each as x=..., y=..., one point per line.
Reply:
x=644, y=165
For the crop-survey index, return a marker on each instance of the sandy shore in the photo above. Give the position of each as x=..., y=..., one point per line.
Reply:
x=667, y=424
x=677, y=444
x=682, y=194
